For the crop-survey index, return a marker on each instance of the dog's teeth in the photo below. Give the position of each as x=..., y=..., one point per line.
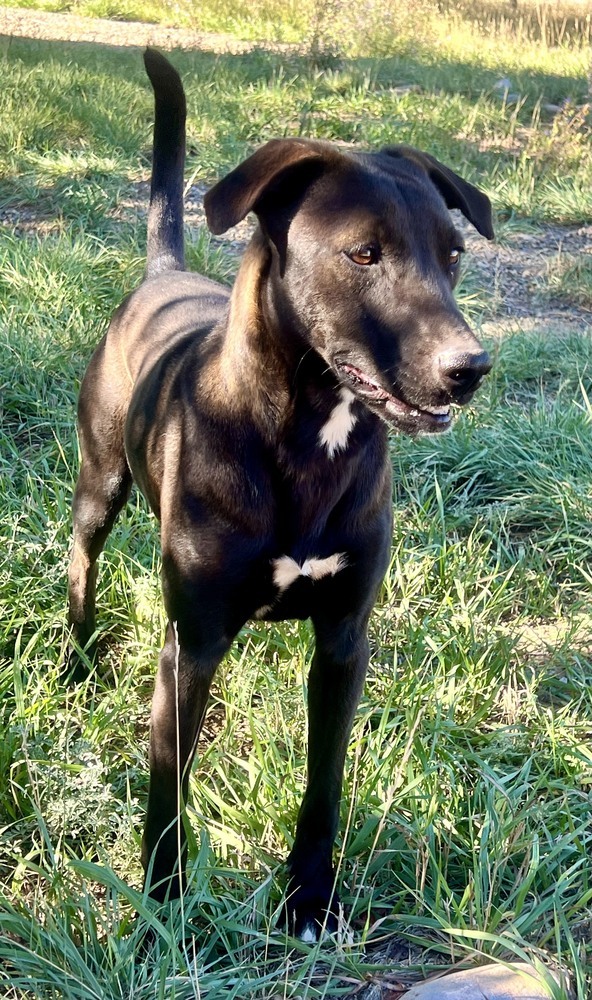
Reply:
x=438, y=410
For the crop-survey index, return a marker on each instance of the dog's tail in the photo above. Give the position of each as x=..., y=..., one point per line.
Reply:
x=165, y=215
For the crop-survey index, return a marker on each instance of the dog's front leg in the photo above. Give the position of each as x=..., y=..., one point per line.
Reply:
x=335, y=684
x=186, y=667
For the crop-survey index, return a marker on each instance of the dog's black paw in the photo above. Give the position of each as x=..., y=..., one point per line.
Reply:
x=76, y=666
x=311, y=909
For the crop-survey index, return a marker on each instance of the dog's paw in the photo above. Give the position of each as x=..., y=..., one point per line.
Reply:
x=310, y=911
x=76, y=667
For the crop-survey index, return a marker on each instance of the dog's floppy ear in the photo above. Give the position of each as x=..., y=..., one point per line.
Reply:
x=245, y=187
x=457, y=193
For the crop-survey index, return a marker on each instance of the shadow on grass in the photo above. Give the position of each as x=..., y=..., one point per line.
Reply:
x=97, y=97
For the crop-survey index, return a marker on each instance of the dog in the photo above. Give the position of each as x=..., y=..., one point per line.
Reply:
x=255, y=422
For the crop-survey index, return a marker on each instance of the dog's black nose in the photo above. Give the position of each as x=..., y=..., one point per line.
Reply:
x=461, y=371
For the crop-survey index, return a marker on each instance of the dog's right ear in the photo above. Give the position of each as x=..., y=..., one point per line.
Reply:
x=249, y=186
x=457, y=193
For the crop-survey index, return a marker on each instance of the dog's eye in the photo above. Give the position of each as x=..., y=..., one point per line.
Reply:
x=363, y=255
x=454, y=259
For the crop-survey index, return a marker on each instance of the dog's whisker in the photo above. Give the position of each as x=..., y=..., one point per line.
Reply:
x=298, y=366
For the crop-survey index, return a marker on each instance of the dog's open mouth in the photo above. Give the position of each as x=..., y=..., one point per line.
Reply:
x=433, y=419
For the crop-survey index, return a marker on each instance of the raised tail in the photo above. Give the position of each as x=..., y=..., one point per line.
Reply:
x=165, y=216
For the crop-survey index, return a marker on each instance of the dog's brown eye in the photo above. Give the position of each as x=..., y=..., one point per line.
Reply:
x=454, y=259
x=363, y=255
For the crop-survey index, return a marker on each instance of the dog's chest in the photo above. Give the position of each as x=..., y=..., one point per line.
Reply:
x=317, y=463
x=329, y=477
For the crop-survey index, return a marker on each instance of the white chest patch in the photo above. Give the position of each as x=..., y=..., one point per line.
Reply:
x=286, y=569
x=334, y=433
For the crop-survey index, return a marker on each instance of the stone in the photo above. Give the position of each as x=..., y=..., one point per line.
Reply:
x=487, y=982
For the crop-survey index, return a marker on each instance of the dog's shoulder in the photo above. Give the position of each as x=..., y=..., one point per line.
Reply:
x=163, y=313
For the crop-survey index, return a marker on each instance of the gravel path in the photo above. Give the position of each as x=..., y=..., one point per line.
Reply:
x=21, y=23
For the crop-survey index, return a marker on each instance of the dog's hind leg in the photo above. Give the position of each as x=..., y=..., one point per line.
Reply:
x=335, y=684
x=102, y=490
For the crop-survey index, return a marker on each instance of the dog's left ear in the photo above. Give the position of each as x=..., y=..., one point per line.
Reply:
x=457, y=193
x=262, y=176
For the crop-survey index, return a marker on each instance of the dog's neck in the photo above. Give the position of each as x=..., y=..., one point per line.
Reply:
x=260, y=369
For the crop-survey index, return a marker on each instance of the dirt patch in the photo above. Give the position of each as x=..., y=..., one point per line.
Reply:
x=24, y=219
x=135, y=206
x=516, y=270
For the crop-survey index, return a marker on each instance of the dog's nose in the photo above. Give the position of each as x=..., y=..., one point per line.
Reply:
x=461, y=371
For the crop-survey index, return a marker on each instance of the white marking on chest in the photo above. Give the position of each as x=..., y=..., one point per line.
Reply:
x=334, y=433
x=286, y=569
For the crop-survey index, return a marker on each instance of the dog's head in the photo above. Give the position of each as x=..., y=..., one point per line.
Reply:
x=365, y=260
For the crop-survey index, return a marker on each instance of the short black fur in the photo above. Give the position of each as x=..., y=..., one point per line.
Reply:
x=255, y=422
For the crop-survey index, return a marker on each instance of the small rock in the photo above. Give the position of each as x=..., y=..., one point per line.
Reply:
x=503, y=88
x=502, y=85
x=489, y=982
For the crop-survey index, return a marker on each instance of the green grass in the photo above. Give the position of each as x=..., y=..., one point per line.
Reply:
x=465, y=825
x=569, y=278
x=74, y=126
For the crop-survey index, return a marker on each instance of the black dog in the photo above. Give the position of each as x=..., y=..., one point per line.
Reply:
x=255, y=423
